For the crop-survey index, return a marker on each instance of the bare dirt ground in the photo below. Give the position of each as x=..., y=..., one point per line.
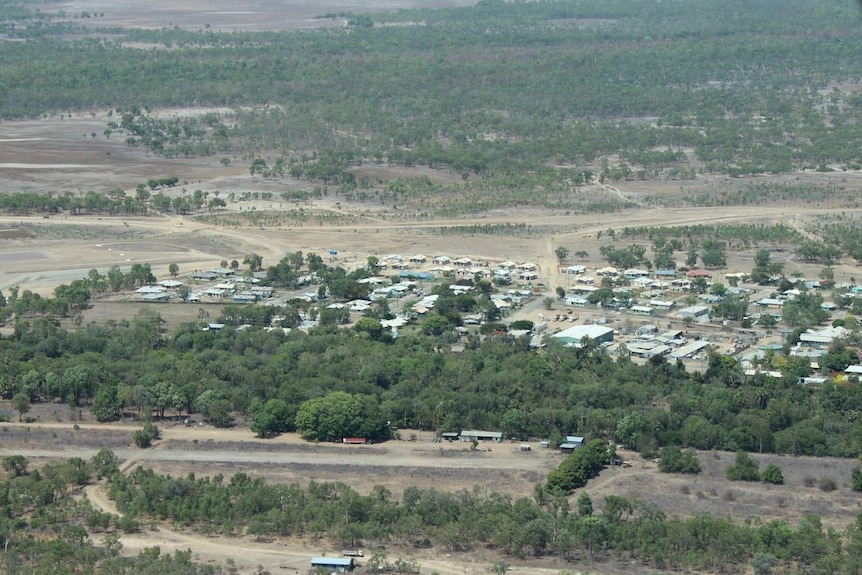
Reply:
x=225, y=15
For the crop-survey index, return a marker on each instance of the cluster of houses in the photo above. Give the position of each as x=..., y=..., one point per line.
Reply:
x=225, y=286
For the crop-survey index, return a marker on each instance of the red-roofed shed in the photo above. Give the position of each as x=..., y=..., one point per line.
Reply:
x=354, y=440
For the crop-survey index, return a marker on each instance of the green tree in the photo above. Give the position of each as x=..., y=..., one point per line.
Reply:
x=174, y=270
x=674, y=460
x=745, y=468
x=144, y=437
x=772, y=474
x=21, y=403
x=561, y=253
x=856, y=479
x=105, y=464
x=15, y=465
x=340, y=415
x=274, y=417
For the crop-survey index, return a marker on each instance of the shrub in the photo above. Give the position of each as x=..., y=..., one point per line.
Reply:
x=144, y=438
x=745, y=468
x=809, y=482
x=674, y=460
x=826, y=484
x=856, y=479
x=772, y=474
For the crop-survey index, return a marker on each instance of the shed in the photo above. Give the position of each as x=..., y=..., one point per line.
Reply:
x=575, y=334
x=572, y=443
x=339, y=564
x=354, y=440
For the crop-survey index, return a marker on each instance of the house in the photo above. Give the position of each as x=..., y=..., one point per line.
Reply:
x=158, y=297
x=333, y=564
x=641, y=310
x=694, y=274
x=528, y=276
x=527, y=266
x=586, y=280
x=471, y=434
x=680, y=285
x=204, y=276
x=149, y=290
x=577, y=301
x=822, y=337
x=664, y=274
x=463, y=262
x=608, y=272
x=635, y=273
x=170, y=284
x=222, y=272
x=417, y=259
x=573, y=270
x=441, y=260
x=216, y=293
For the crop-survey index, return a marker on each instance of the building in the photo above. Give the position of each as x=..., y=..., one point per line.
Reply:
x=693, y=312
x=572, y=443
x=690, y=349
x=471, y=434
x=641, y=310
x=575, y=334
x=330, y=564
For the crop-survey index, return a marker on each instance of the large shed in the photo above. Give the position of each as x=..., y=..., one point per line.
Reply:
x=338, y=564
x=597, y=333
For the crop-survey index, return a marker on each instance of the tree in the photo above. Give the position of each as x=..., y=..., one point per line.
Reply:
x=254, y=262
x=772, y=474
x=144, y=438
x=856, y=479
x=745, y=468
x=15, y=465
x=274, y=417
x=105, y=464
x=21, y=403
x=340, y=415
x=174, y=270
x=561, y=253
x=585, y=505
x=675, y=460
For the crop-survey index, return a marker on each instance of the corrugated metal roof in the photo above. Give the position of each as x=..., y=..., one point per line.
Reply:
x=338, y=561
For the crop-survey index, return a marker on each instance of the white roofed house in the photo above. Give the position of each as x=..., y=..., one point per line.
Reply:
x=441, y=260
x=463, y=262
x=822, y=337
x=417, y=259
